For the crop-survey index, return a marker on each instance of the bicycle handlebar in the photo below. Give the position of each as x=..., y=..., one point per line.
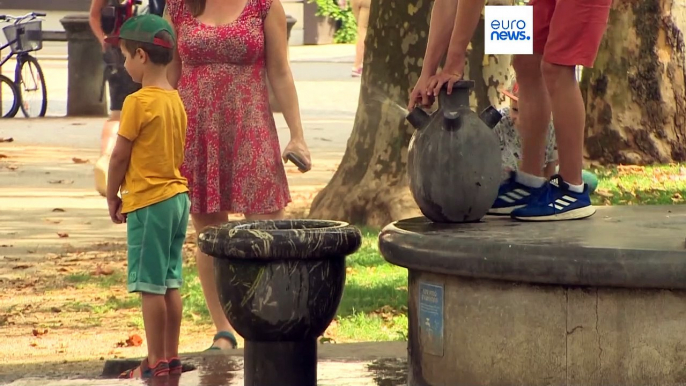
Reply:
x=30, y=15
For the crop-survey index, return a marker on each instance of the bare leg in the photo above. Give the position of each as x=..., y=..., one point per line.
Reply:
x=174, y=314
x=534, y=112
x=569, y=114
x=155, y=322
x=206, y=275
x=279, y=215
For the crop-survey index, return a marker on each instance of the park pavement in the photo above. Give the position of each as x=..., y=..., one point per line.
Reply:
x=47, y=196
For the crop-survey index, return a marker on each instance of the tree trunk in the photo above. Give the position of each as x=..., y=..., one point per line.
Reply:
x=635, y=94
x=371, y=185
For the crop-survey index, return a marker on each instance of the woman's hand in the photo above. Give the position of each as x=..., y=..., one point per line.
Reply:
x=298, y=147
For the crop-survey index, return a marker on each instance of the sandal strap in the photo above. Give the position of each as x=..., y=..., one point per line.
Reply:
x=226, y=335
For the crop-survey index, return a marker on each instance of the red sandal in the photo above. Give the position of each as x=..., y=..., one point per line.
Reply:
x=160, y=369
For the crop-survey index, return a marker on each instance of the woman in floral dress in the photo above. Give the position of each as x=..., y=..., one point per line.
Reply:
x=226, y=49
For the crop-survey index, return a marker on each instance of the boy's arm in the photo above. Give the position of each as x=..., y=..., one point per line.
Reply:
x=440, y=31
x=119, y=162
x=466, y=20
x=132, y=119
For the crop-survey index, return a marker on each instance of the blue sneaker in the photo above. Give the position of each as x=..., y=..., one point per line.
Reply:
x=513, y=195
x=557, y=203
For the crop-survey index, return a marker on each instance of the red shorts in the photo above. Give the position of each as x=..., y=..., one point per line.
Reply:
x=569, y=32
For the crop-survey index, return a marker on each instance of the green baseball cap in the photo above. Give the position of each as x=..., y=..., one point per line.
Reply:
x=143, y=28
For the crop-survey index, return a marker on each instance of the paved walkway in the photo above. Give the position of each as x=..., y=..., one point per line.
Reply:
x=38, y=174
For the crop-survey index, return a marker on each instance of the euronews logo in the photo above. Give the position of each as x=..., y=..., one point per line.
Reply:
x=508, y=30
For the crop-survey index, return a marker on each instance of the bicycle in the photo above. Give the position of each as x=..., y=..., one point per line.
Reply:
x=25, y=35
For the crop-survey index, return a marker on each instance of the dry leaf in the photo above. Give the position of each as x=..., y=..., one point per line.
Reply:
x=58, y=210
x=80, y=160
x=12, y=167
x=53, y=221
x=39, y=333
x=34, y=344
x=21, y=266
x=55, y=310
x=2, y=156
x=62, y=182
x=63, y=235
x=6, y=139
x=133, y=341
x=5, y=246
x=99, y=270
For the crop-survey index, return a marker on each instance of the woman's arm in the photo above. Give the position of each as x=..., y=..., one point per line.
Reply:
x=279, y=70
x=95, y=20
x=174, y=68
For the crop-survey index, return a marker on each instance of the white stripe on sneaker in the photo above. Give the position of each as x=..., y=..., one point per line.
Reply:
x=506, y=199
x=562, y=202
x=522, y=192
x=514, y=195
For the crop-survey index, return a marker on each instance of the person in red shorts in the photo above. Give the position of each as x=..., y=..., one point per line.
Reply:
x=566, y=33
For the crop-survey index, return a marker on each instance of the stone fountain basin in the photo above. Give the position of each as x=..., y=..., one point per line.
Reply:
x=593, y=302
x=280, y=280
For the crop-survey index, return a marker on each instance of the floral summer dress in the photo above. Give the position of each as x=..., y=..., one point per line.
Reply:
x=232, y=158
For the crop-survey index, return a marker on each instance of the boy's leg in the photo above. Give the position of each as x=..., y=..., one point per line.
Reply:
x=174, y=278
x=149, y=237
x=534, y=115
x=576, y=29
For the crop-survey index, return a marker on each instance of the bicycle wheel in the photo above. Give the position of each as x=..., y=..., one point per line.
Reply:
x=9, y=98
x=31, y=84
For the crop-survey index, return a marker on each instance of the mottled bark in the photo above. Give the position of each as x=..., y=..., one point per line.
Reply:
x=635, y=93
x=371, y=185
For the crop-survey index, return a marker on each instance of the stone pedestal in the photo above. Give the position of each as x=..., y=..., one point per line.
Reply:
x=276, y=108
x=501, y=303
x=85, y=69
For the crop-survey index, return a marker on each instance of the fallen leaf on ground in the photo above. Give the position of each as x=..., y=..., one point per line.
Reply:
x=11, y=258
x=2, y=156
x=12, y=167
x=62, y=182
x=21, y=266
x=10, y=139
x=604, y=193
x=58, y=210
x=5, y=246
x=63, y=235
x=55, y=309
x=133, y=341
x=34, y=344
x=53, y=221
x=39, y=332
x=99, y=270
x=80, y=160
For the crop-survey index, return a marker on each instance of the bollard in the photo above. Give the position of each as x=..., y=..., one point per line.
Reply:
x=85, y=68
x=276, y=108
x=280, y=284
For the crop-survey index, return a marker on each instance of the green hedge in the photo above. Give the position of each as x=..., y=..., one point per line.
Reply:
x=347, y=33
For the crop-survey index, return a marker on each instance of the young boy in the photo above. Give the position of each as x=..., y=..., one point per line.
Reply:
x=566, y=33
x=154, y=202
x=511, y=148
x=510, y=140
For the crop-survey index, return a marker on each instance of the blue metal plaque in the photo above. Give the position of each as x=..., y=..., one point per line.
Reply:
x=431, y=318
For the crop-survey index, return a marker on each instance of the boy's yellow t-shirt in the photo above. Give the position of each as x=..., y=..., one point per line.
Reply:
x=155, y=121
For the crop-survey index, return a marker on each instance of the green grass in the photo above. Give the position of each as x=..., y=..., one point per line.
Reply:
x=637, y=185
x=373, y=307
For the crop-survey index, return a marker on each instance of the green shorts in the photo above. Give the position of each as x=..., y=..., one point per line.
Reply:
x=156, y=235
